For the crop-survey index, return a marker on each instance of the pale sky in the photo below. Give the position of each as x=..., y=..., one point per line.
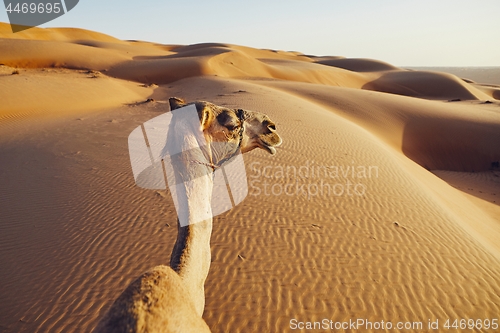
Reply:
x=401, y=32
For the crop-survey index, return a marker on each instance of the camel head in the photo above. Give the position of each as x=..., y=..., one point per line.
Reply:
x=227, y=130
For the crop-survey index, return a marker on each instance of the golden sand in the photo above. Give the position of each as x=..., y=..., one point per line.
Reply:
x=406, y=230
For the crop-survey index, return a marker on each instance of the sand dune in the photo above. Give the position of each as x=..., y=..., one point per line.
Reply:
x=482, y=75
x=446, y=136
x=55, y=34
x=45, y=92
x=491, y=90
x=358, y=65
x=394, y=216
x=428, y=85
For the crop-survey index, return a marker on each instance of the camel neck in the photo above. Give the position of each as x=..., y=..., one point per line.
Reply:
x=191, y=258
x=191, y=253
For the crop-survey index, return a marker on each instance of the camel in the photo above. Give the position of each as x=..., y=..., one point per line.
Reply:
x=172, y=298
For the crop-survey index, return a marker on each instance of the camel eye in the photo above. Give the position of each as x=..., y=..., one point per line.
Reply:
x=228, y=120
x=231, y=127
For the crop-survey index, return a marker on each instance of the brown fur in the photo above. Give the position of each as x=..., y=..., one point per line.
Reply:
x=141, y=307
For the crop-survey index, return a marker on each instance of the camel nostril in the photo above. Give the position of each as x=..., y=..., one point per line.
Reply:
x=272, y=127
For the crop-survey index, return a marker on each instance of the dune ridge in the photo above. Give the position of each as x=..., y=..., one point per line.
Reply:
x=413, y=239
x=153, y=63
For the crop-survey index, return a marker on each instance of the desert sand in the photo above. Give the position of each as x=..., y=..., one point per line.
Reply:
x=382, y=203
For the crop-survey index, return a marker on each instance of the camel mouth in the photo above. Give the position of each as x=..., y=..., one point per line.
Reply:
x=270, y=150
x=269, y=147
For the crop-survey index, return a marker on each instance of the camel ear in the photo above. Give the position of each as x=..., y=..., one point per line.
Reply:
x=206, y=115
x=176, y=103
